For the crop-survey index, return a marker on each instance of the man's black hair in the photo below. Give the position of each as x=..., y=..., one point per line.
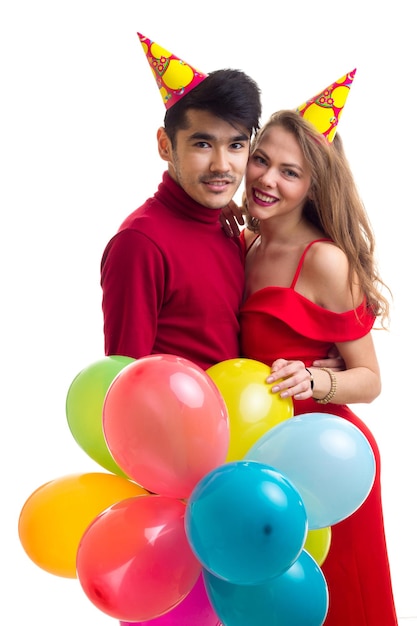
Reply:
x=230, y=95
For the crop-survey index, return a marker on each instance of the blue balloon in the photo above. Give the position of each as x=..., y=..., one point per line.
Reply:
x=328, y=460
x=298, y=597
x=245, y=522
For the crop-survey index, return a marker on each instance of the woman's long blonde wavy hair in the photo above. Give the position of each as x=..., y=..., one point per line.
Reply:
x=334, y=205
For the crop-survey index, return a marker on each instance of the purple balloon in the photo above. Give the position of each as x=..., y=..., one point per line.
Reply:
x=194, y=609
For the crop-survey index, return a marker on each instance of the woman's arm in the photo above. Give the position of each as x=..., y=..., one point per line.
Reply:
x=359, y=383
x=324, y=280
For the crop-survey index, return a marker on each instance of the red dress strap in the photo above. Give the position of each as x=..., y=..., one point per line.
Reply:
x=251, y=244
x=301, y=261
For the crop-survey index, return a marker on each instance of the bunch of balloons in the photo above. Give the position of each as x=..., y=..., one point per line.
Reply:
x=216, y=505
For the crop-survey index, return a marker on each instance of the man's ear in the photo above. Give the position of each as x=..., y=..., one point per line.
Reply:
x=164, y=145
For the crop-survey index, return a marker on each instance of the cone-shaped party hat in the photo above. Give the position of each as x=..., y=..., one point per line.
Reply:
x=174, y=77
x=325, y=109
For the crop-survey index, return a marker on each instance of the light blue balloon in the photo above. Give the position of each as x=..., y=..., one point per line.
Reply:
x=298, y=597
x=245, y=522
x=328, y=460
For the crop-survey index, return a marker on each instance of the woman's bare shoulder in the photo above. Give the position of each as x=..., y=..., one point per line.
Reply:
x=327, y=268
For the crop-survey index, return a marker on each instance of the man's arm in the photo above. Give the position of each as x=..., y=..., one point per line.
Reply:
x=132, y=294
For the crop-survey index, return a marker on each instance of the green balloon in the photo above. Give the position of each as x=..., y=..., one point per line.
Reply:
x=84, y=408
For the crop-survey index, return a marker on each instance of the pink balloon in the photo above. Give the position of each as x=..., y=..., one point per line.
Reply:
x=166, y=424
x=194, y=610
x=134, y=561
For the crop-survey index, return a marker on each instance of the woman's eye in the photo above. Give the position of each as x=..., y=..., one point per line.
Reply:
x=291, y=173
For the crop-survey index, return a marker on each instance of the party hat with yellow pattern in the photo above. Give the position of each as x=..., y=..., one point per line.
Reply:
x=174, y=77
x=325, y=109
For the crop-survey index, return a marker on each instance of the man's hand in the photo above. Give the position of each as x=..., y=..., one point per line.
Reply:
x=230, y=218
x=334, y=361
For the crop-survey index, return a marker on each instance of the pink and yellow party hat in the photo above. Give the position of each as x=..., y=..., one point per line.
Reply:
x=325, y=109
x=174, y=77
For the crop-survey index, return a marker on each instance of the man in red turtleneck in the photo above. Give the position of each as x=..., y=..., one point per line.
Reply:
x=172, y=279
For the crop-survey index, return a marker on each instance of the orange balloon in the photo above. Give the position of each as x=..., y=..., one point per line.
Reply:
x=253, y=409
x=56, y=515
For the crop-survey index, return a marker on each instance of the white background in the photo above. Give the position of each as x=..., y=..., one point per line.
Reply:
x=79, y=113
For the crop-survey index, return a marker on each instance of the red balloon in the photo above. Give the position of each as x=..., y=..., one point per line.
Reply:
x=134, y=561
x=166, y=424
x=194, y=610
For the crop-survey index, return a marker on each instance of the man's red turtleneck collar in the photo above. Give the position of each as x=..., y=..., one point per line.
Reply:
x=173, y=196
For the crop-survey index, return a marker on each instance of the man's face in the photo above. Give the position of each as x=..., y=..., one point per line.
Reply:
x=209, y=159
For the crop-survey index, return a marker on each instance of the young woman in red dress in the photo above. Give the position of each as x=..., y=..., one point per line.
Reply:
x=312, y=282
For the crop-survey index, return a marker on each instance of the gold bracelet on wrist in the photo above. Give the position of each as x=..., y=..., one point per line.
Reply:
x=333, y=387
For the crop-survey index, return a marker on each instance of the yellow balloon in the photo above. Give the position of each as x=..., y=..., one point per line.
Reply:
x=317, y=543
x=253, y=409
x=56, y=515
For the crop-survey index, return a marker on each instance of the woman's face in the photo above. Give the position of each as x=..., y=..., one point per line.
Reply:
x=278, y=177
